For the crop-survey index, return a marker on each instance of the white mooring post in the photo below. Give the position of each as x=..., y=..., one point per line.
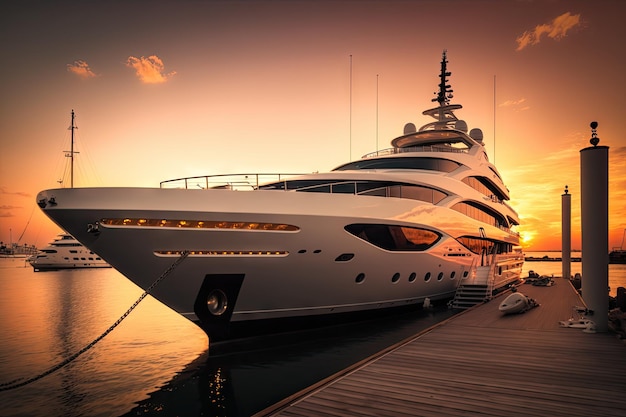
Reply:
x=566, y=234
x=594, y=187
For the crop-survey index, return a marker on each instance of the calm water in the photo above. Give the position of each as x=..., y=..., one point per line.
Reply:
x=47, y=316
x=617, y=273
x=157, y=363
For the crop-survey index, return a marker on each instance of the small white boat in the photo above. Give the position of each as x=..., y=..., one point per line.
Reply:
x=516, y=303
x=65, y=252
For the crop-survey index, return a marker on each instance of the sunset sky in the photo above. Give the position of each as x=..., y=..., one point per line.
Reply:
x=168, y=89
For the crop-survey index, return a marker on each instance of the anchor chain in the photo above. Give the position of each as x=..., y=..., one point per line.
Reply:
x=16, y=383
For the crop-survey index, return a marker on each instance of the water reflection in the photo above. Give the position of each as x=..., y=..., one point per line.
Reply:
x=246, y=378
x=46, y=317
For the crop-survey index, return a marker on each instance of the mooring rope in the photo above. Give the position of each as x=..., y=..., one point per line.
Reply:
x=20, y=382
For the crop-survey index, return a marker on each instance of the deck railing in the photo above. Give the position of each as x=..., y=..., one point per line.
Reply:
x=227, y=181
x=423, y=148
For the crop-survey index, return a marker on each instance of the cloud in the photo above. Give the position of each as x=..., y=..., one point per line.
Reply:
x=150, y=69
x=517, y=105
x=5, y=210
x=81, y=68
x=556, y=29
x=3, y=190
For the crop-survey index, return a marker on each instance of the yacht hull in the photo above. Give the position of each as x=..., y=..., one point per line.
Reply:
x=312, y=273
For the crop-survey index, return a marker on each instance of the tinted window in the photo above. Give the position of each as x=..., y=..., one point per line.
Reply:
x=395, y=238
x=433, y=164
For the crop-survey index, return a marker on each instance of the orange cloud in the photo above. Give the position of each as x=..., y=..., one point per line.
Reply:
x=150, y=69
x=81, y=68
x=517, y=105
x=3, y=190
x=556, y=29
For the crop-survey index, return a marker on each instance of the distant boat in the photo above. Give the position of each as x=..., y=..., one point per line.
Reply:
x=16, y=251
x=65, y=252
x=618, y=256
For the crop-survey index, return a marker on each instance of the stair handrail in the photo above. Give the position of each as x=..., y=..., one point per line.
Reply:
x=491, y=278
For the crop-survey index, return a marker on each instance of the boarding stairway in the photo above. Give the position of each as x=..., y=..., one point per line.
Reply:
x=476, y=290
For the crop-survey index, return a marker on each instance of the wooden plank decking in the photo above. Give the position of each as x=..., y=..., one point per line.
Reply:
x=480, y=362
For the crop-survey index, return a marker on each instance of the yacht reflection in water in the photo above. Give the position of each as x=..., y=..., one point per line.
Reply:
x=259, y=374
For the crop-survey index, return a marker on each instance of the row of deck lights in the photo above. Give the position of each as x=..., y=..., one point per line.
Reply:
x=199, y=224
x=223, y=253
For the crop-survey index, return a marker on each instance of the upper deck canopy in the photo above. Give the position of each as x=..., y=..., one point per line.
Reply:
x=451, y=137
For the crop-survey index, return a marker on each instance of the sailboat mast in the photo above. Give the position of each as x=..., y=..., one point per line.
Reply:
x=72, y=127
x=71, y=152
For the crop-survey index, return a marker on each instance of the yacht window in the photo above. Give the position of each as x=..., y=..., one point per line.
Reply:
x=395, y=238
x=415, y=192
x=433, y=164
x=483, y=186
x=480, y=213
x=370, y=188
x=476, y=245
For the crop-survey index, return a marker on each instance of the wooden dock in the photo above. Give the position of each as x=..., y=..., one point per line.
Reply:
x=481, y=362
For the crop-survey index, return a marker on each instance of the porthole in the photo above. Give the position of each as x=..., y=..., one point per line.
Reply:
x=360, y=278
x=302, y=251
x=317, y=251
x=440, y=276
x=412, y=276
x=395, y=277
x=427, y=277
x=344, y=257
x=452, y=274
x=465, y=274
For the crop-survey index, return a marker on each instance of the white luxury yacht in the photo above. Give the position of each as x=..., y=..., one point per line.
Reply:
x=394, y=229
x=65, y=252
